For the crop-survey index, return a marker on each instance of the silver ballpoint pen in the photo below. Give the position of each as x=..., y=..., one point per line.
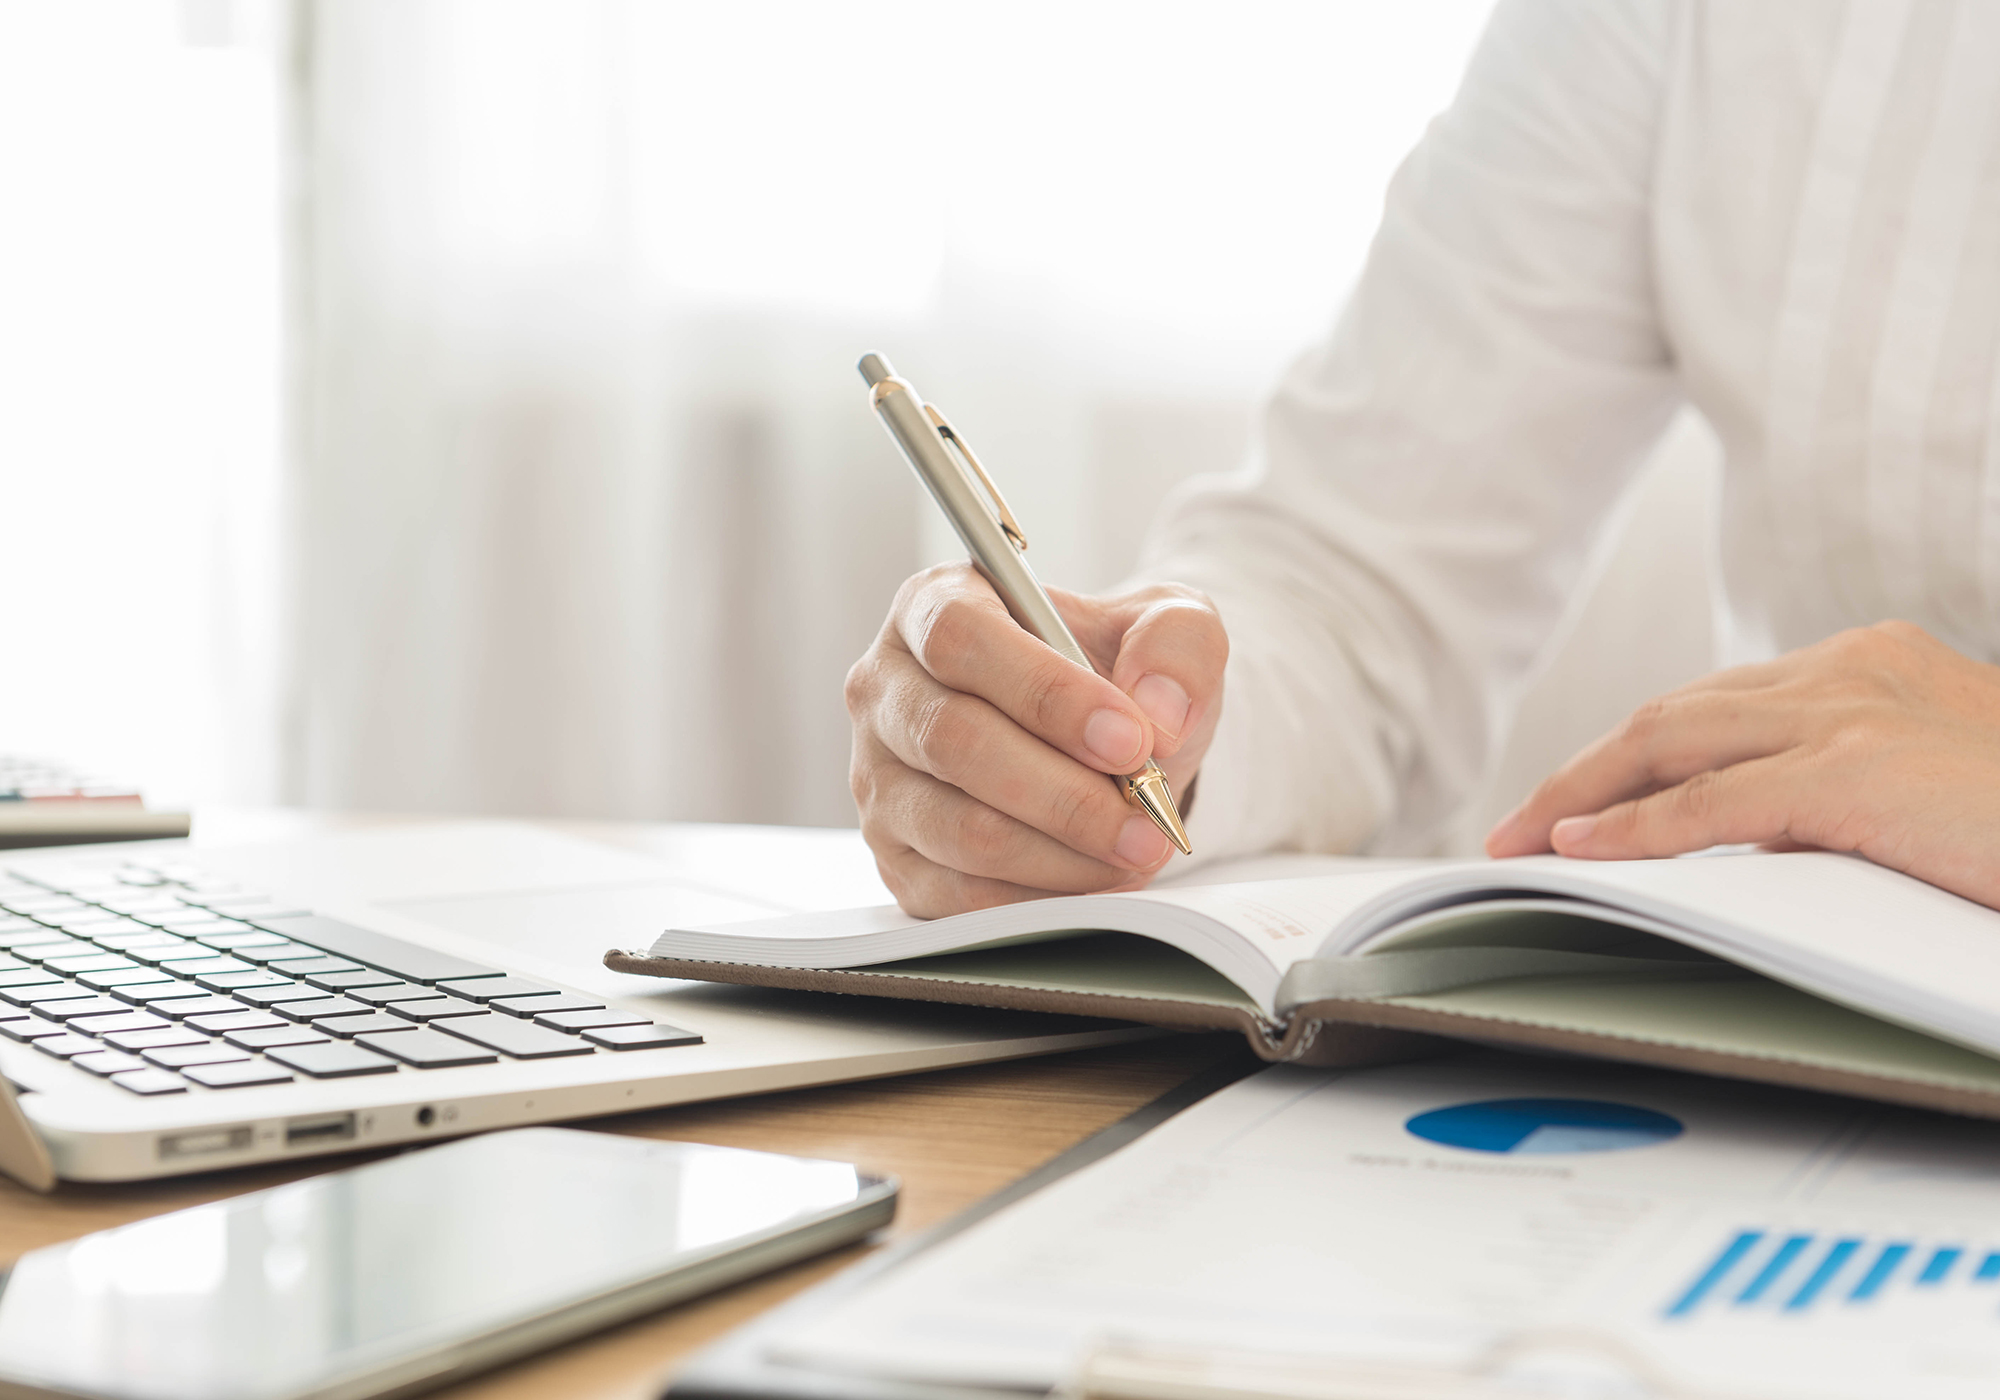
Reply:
x=973, y=504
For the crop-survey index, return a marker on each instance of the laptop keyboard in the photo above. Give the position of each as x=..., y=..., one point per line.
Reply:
x=163, y=980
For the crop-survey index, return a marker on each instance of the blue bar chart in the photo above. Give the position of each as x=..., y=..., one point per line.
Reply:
x=1806, y=1273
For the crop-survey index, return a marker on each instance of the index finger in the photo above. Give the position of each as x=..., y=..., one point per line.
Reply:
x=1663, y=743
x=961, y=633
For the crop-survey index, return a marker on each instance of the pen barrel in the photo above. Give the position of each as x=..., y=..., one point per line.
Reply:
x=993, y=554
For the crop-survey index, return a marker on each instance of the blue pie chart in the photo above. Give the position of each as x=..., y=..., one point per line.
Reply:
x=1542, y=1127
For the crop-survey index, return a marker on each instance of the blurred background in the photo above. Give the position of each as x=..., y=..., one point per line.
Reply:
x=449, y=405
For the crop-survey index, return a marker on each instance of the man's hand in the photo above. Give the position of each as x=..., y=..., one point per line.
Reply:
x=980, y=754
x=1881, y=741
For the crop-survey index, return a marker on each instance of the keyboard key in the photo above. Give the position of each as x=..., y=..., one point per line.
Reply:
x=94, y=962
x=60, y=948
x=108, y=1062
x=224, y=1021
x=237, y=1074
x=373, y=1023
x=535, y=1006
x=245, y=938
x=307, y=967
x=320, y=1006
x=146, y=993
x=150, y=1082
x=122, y=1021
x=514, y=1037
x=29, y=1028
x=366, y=977
x=427, y=1049
x=192, y=921
x=101, y=926
x=213, y=1052
x=181, y=1008
x=120, y=977
x=124, y=941
x=392, y=991
x=237, y=981
x=42, y=992
x=35, y=977
x=14, y=938
x=284, y=990
x=493, y=988
x=203, y=928
x=153, y=1040
x=278, y=950
x=202, y=967
x=269, y=1036
x=157, y=951
x=72, y=1007
x=34, y=904
x=641, y=1037
x=333, y=1060
x=588, y=1020
x=411, y=961
x=434, y=1008
x=8, y=964
x=67, y=1044
x=267, y=908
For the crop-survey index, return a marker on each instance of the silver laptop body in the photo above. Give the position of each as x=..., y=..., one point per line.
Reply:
x=198, y=1007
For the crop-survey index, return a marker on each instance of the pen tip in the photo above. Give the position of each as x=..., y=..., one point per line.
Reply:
x=1149, y=789
x=874, y=368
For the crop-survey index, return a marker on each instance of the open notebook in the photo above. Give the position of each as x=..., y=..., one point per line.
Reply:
x=1809, y=969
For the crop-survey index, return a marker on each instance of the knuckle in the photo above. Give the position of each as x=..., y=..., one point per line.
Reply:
x=1087, y=821
x=861, y=781
x=1045, y=696
x=1645, y=725
x=984, y=839
x=859, y=686
x=947, y=736
x=946, y=626
x=1699, y=797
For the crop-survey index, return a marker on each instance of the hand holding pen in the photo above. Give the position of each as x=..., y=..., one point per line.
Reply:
x=1005, y=750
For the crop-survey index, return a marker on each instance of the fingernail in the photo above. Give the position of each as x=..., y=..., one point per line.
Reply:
x=1114, y=738
x=1571, y=833
x=1164, y=702
x=1140, y=844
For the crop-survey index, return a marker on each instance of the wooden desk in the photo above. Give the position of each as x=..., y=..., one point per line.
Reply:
x=953, y=1136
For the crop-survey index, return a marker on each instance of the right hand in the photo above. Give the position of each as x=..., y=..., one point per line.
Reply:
x=980, y=754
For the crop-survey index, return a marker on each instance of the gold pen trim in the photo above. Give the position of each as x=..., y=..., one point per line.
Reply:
x=1009, y=526
x=1147, y=789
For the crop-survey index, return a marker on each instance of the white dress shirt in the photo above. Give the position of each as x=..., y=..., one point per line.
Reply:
x=1785, y=212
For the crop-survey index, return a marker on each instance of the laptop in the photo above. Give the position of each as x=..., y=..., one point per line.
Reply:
x=169, y=1008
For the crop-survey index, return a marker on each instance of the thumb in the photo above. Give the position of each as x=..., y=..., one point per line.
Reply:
x=1170, y=660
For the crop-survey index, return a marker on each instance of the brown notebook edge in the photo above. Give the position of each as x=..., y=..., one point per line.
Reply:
x=1334, y=1033
x=1304, y=1041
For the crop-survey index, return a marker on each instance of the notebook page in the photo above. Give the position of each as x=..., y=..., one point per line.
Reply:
x=1834, y=925
x=1250, y=933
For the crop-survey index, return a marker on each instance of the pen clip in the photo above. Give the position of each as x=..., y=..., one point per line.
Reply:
x=1008, y=524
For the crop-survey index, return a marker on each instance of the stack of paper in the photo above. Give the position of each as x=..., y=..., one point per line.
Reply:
x=1489, y=1217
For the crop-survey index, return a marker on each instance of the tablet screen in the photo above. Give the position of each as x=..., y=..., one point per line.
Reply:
x=401, y=1263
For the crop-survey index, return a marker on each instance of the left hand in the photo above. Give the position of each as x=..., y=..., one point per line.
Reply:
x=1881, y=740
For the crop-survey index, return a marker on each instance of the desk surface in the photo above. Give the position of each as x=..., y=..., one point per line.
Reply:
x=953, y=1136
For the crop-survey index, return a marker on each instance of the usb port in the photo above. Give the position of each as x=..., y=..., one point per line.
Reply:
x=326, y=1127
x=203, y=1141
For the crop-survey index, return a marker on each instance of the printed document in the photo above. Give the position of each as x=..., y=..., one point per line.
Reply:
x=1740, y=1240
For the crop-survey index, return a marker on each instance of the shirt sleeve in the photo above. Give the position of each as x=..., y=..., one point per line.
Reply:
x=1425, y=486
